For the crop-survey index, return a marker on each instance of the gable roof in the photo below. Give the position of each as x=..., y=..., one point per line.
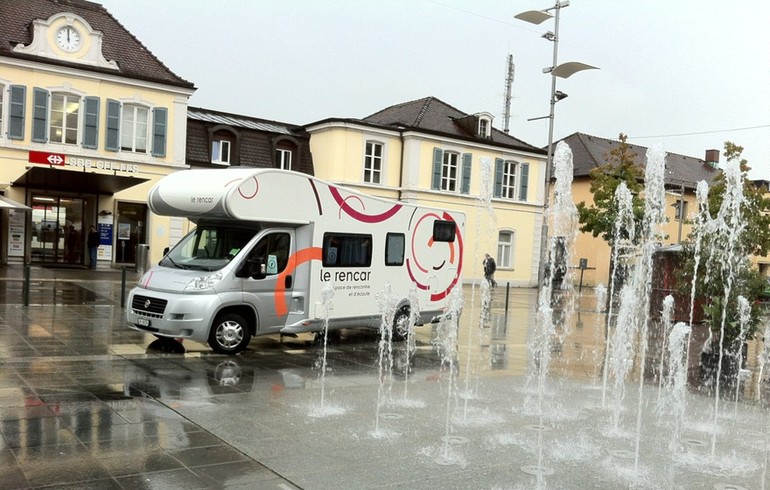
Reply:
x=133, y=58
x=589, y=152
x=431, y=115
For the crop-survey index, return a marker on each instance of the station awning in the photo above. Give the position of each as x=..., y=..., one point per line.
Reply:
x=75, y=181
x=6, y=203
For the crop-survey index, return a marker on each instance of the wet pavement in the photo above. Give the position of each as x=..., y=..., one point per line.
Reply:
x=86, y=402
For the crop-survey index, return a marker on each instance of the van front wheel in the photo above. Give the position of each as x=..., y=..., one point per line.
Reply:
x=230, y=334
x=401, y=324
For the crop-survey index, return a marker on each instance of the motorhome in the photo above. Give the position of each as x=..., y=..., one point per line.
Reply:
x=281, y=252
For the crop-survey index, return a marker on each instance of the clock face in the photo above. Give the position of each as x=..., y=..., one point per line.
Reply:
x=68, y=39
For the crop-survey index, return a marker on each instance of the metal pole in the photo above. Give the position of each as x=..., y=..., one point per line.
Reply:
x=507, y=293
x=25, y=288
x=681, y=213
x=123, y=287
x=549, y=157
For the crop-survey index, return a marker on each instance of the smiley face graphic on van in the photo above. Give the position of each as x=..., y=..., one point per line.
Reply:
x=434, y=263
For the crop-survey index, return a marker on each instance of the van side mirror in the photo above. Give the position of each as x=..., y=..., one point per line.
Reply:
x=253, y=267
x=257, y=269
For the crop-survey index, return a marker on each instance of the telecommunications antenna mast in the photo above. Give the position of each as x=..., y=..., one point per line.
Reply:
x=508, y=84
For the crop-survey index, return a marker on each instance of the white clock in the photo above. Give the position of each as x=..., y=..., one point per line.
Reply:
x=68, y=39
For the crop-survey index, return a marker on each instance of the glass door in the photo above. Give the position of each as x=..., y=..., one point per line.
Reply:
x=57, y=230
x=132, y=231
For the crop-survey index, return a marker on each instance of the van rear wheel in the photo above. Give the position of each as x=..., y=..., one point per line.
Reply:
x=401, y=324
x=230, y=334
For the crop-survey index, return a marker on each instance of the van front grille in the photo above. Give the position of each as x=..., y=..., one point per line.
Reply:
x=144, y=305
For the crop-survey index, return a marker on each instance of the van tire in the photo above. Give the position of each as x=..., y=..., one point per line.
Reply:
x=401, y=324
x=230, y=334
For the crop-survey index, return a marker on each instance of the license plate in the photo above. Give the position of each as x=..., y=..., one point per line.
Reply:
x=143, y=322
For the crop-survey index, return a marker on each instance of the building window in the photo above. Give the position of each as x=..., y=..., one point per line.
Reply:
x=134, y=128
x=448, y=175
x=509, y=179
x=449, y=171
x=505, y=249
x=681, y=209
x=483, y=127
x=220, y=152
x=506, y=174
x=63, y=127
x=373, y=163
x=2, y=94
x=283, y=159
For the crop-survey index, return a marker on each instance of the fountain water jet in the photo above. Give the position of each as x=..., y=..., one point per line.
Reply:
x=676, y=382
x=324, y=409
x=623, y=235
x=388, y=303
x=563, y=224
x=446, y=342
x=484, y=203
x=666, y=316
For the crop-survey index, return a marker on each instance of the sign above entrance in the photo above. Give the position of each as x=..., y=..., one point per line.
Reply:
x=46, y=158
x=60, y=159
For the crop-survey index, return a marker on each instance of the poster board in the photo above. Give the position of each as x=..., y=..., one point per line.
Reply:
x=16, y=227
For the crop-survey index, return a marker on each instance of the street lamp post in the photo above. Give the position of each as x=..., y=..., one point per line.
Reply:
x=564, y=70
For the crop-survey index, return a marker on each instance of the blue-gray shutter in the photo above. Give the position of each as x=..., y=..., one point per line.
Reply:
x=40, y=99
x=438, y=161
x=112, y=139
x=159, y=123
x=498, y=191
x=16, y=106
x=465, y=188
x=91, y=122
x=523, y=181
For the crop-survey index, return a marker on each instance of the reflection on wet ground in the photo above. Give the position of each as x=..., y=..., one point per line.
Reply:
x=87, y=403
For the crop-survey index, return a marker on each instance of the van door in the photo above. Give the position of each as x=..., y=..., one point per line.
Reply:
x=270, y=296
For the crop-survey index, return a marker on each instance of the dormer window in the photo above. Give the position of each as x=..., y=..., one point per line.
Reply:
x=484, y=129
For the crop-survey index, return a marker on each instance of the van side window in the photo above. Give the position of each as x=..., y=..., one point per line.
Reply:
x=444, y=231
x=274, y=250
x=347, y=250
x=394, y=248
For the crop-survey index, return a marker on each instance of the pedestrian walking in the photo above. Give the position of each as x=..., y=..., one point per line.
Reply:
x=489, y=270
x=93, y=246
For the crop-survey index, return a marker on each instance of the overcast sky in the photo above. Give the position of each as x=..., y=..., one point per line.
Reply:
x=685, y=75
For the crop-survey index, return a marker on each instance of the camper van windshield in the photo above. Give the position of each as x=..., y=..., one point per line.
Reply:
x=208, y=248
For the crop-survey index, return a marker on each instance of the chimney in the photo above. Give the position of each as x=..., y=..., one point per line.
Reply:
x=712, y=158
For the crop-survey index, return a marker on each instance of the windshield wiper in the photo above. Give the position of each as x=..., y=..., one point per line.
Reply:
x=178, y=266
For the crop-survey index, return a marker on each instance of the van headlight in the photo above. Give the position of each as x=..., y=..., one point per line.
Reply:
x=201, y=283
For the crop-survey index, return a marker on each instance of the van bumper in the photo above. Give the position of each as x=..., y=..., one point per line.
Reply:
x=184, y=316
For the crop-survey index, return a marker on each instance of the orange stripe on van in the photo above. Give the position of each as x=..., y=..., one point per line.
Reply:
x=299, y=258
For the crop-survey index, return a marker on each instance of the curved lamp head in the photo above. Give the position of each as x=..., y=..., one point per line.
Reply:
x=533, y=16
x=566, y=70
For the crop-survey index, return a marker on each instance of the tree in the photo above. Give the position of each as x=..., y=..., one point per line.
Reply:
x=717, y=256
x=600, y=217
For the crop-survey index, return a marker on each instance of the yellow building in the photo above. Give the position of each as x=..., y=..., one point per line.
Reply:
x=427, y=152
x=682, y=176
x=90, y=119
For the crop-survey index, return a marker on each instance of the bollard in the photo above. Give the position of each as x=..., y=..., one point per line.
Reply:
x=507, y=293
x=123, y=287
x=25, y=288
